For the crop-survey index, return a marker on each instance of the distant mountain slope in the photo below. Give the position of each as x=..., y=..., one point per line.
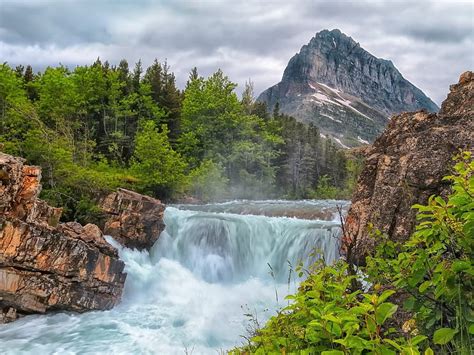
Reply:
x=343, y=89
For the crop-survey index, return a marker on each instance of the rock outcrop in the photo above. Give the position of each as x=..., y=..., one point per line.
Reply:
x=343, y=89
x=44, y=265
x=133, y=220
x=406, y=165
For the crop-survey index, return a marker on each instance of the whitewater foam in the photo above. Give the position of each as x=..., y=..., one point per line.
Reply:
x=190, y=292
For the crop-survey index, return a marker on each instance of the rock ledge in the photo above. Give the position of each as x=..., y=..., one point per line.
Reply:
x=134, y=220
x=44, y=265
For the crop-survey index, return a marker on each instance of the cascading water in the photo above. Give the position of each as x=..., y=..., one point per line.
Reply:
x=191, y=291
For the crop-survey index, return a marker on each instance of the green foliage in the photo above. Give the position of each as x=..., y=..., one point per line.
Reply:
x=309, y=166
x=434, y=267
x=326, y=316
x=66, y=183
x=208, y=182
x=325, y=190
x=99, y=126
x=17, y=114
x=432, y=271
x=215, y=126
x=158, y=167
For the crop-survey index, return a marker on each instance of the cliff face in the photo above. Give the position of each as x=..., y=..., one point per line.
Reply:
x=343, y=89
x=406, y=165
x=44, y=265
x=134, y=220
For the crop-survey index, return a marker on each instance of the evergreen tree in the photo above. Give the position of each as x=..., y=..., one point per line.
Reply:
x=276, y=110
x=28, y=79
x=124, y=77
x=165, y=94
x=193, y=75
x=136, y=76
x=19, y=70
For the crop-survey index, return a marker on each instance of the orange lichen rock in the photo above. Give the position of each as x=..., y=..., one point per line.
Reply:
x=45, y=265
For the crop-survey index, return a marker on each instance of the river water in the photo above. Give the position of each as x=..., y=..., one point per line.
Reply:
x=212, y=265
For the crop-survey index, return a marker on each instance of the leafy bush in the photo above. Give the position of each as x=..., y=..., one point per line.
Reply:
x=326, y=317
x=432, y=271
x=434, y=267
x=325, y=190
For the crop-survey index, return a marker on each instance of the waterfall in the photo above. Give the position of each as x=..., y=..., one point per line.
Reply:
x=230, y=248
x=191, y=291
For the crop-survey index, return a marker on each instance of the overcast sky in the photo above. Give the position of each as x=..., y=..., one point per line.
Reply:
x=430, y=42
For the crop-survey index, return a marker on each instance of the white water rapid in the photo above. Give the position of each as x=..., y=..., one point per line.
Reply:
x=189, y=294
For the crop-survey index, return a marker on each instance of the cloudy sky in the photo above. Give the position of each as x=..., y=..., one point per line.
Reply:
x=430, y=42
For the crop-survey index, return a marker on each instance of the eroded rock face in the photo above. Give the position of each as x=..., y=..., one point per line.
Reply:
x=406, y=165
x=44, y=265
x=134, y=220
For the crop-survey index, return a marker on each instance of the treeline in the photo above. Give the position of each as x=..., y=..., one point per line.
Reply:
x=101, y=126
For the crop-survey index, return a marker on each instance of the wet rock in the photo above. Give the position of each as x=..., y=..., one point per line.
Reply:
x=406, y=165
x=44, y=265
x=134, y=220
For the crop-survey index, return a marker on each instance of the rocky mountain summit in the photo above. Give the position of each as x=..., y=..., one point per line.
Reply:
x=343, y=89
x=44, y=265
x=406, y=165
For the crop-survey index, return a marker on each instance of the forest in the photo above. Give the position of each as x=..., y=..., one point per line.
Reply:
x=98, y=127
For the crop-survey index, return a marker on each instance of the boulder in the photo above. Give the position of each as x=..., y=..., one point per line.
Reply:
x=47, y=266
x=406, y=165
x=132, y=219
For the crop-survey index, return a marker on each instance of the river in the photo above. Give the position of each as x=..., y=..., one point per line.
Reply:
x=212, y=265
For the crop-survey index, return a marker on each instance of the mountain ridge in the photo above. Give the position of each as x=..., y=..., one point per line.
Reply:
x=343, y=89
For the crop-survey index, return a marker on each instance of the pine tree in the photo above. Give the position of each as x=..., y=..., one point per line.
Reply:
x=124, y=77
x=136, y=76
x=28, y=79
x=193, y=75
x=276, y=110
x=165, y=94
x=19, y=69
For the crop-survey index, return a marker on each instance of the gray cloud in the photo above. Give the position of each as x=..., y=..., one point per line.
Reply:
x=430, y=42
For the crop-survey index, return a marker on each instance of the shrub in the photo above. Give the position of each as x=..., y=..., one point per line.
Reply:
x=434, y=267
x=433, y=271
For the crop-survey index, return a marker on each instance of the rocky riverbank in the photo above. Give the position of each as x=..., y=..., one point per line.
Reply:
x=46, y=265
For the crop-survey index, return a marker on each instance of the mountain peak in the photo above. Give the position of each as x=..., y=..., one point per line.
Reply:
x=335, y=33
x=333, y=80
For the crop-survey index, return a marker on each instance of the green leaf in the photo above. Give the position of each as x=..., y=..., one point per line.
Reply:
x=355, y=342
x=460, y=265
x=471, y=329
x=332, y=352
x=386, y=294
x=418, y=339
x=393, y=343
x=443, y=335
x=385, y=311
x=384, y=350
x=331, y=318
x=409, y=350
x=429, y=351
x=424, y=286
